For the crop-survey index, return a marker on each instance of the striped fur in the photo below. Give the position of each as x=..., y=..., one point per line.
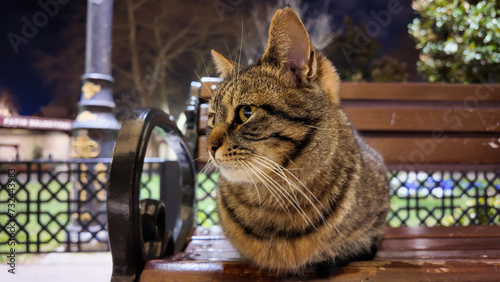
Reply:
x=298, y=186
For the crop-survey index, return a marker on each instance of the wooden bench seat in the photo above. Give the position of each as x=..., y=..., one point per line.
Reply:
x=411, y=253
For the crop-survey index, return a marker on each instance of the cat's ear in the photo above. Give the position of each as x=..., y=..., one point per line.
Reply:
x=289, y=46
x=224, y=66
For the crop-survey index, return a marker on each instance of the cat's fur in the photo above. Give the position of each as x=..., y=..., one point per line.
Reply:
x=298, y=186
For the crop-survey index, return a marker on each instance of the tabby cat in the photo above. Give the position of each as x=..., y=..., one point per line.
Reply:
x=298, y=186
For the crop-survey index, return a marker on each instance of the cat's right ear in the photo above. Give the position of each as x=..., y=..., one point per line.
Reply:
x=224, y=66
x=289, y=46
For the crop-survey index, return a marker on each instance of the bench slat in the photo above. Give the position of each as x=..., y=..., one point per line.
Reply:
x=418, y=253
x=471, y=231
x=429, y=150
x=465, y=94
x=420, y=119
x=376, y=270
x=406, y=149
x=411, y=270
x=441, y=244
x=439, y=254
x=461, y=93
x=423, y=119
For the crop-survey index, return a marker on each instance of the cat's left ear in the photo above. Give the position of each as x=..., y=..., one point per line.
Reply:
x=289, y=46
x=224, y=67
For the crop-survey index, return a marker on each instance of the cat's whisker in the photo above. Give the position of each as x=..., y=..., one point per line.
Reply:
x=293, y=185
x=322, y=128
x=243, y=165
x=196, y=159
x=228, y=52
x=285, y=170
x=275, y=192
x=241, y=44
x=328, y=129
x=238, y=65
x=293, y=201
x=271, y=190
x=209, y=91
x=291, y=197
x=205, y=65
x=208, y=167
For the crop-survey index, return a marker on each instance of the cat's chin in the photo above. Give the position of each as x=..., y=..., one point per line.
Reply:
x=235, y=175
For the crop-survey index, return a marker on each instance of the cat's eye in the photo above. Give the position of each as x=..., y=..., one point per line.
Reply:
x=245, y=112
x=210, y=121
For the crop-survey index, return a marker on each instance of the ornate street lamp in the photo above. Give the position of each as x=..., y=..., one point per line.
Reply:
x=95, y=128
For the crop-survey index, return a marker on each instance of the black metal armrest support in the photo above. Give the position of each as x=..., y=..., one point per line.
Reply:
x=128, y=230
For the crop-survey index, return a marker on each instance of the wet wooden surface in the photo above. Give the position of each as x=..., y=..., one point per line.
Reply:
x=409, y=254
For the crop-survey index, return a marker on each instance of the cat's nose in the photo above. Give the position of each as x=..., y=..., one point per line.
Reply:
x=212, y=147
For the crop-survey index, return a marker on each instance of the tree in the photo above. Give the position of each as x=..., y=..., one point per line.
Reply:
x=458, y=40
x=61, y=68
x=388, y=69
x=318, y=23
x=153, y=35
x=158, y=48
x=8, y=103
x=352, y=52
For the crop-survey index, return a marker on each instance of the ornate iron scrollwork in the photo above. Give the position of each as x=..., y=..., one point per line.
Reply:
x=86, y=148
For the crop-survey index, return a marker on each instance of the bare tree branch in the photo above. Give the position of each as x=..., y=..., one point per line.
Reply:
x=137, y=5
x=136, y=71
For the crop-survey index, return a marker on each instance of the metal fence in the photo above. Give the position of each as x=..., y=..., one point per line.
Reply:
x=444, y=198
x=60, y=206
x=428, y=198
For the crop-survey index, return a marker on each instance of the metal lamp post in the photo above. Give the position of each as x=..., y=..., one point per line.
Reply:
x=95, y=129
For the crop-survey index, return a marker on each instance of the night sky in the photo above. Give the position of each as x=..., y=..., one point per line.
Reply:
x=16, y=72
x=18, y=76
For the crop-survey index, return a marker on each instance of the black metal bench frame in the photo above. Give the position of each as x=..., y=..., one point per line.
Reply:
x=135, y=238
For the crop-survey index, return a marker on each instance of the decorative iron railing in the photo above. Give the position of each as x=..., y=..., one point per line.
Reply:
x=60, y=206
x=428, y=198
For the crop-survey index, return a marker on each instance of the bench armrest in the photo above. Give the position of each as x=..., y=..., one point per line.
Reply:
x=126, y=225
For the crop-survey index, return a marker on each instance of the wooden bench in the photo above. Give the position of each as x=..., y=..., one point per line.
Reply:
x=411, y=253
x=416, y=127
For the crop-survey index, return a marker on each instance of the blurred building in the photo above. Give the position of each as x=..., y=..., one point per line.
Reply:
x=27, y=138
